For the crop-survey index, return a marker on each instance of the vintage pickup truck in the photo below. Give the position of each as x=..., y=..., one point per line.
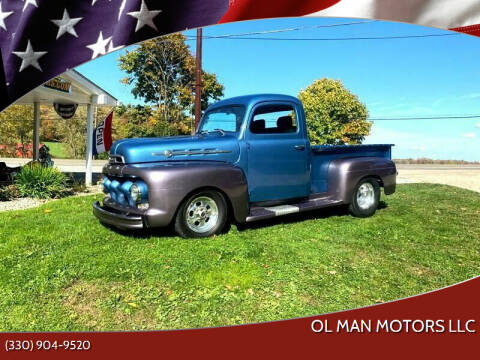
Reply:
x=250, y=159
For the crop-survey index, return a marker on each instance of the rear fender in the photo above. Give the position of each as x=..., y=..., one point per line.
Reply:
x=344, y=175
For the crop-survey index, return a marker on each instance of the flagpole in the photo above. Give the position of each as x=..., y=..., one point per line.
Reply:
x=198, y=82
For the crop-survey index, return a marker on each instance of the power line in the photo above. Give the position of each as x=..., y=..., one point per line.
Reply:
x=331, y=39
x=443, y=117
x=291, y=29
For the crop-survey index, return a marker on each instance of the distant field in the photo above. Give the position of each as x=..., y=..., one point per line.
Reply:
x=423, y=161
x=57, y=150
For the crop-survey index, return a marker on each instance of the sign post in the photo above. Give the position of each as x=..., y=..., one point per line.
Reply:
x=198, y=82
x=89, y=149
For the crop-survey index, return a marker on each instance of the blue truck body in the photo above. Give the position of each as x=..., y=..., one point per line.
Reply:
x=278, y=164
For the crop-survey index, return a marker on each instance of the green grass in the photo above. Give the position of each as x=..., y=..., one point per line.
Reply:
x=61, y=270
x=57, y=150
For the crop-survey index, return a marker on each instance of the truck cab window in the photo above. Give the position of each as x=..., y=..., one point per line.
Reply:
x=274, y=119
x=227, y=118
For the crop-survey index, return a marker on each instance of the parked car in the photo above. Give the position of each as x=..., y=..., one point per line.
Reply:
x=249, y=160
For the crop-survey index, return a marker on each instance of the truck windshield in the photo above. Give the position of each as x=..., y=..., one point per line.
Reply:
x=224, y=119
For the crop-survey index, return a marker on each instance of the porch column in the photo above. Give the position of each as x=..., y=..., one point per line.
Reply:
x=89, y=143
x=36, y=129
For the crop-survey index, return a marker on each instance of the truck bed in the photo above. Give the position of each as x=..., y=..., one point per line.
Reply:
x=353, y=149
x=322, y=155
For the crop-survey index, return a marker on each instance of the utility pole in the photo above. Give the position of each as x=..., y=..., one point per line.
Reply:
x=198, y=82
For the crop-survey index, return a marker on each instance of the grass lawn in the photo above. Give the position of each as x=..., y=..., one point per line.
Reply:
x=61, y=270
x=57, y=150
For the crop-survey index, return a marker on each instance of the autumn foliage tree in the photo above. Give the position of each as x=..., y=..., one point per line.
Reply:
x=16, y=126
x=334, y=115
x=162, y=73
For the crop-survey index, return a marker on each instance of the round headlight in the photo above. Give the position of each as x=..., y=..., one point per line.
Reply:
x=106, y=185
x=136, y=193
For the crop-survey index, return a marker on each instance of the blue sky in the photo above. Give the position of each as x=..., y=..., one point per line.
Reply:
x=416, y=77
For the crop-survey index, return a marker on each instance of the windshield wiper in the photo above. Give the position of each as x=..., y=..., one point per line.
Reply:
x=221, y=131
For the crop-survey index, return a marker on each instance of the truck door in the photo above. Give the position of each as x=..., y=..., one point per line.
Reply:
x=278, y=153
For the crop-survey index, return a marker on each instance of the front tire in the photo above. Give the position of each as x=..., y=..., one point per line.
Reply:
x=201, y=215
x=365, y=198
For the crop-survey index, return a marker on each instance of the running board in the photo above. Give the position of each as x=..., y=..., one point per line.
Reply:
x=261, y=213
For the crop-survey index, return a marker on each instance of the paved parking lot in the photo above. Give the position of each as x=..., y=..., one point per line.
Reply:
x=465, y=176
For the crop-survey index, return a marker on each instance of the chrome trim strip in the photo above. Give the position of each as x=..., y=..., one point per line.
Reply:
x=170, y=153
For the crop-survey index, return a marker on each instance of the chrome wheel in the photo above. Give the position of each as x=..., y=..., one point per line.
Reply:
x=365, y=196
x=201, y=214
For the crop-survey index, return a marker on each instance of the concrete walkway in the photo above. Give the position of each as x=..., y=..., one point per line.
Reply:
x=65, y=165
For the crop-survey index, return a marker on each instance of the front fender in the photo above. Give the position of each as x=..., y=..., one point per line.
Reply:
x=170, y=182
x=344, y=175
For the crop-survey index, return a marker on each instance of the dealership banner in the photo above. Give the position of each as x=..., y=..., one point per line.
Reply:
x=41, y=39
x=441, y=324
x=102, y=135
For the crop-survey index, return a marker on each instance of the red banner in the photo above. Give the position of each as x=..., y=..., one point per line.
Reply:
x=442, y=323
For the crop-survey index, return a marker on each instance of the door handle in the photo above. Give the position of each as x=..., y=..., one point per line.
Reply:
x=299, y=147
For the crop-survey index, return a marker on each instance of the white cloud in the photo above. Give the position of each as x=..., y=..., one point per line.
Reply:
x=469, y=135
x=477, y=125
x=419, y=148
x=470, y=96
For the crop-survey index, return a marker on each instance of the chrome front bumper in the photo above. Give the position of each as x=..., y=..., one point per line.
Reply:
x=120, y=220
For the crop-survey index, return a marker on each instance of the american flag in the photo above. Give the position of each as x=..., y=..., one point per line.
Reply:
x=40, y=39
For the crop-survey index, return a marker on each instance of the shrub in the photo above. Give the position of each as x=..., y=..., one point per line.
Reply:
x=9, y=192
x=79, y=187
x=40, y=182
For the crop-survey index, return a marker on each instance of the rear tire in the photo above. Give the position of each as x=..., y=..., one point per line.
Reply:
x=203, y=214
x=365, y=198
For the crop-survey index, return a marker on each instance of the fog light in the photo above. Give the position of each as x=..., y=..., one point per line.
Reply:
x=143, y=206
x=136, y=193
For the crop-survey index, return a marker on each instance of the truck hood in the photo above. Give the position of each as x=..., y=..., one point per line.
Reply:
x=178, y=148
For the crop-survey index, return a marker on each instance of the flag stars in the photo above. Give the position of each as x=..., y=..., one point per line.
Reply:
x=29, y=2
x=3, y=16
x=94, y=1
x=120, y=10
x=144, y=17
x=66, y=24
x=112, y=48
x=29, y=57
x=99, y=48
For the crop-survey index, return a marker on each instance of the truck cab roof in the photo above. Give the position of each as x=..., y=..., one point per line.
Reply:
x=249, y=100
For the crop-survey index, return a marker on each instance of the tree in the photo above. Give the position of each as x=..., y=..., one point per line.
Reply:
x=162, y=72
x=72, y=131
x=334, y=115
x=16, y=126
